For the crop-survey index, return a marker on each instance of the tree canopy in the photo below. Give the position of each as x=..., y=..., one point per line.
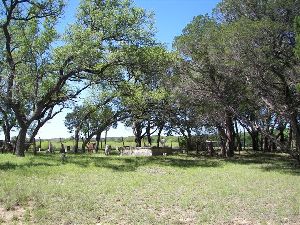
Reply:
x=236, y=68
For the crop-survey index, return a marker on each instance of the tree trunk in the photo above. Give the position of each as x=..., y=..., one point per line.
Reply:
x=138, y=141
x=230, y=134
x=34, y=147
x=255, y=140
x=266, y=144
x=84, y=143
x=105, y=137
x=272, y=144
x=189, y=141
x=222, y=136
x=280, y=135
x=6, y=138
x=296, y=132
x=148, y=132
x=7, y=125
x=87, y=140
x=35, y=131
x=137, y=130
x=98, y=138
x=21, y=142
x=289, y=145
x=76, y=139
x=159, y=135
x=244, y=137
x=238, y=138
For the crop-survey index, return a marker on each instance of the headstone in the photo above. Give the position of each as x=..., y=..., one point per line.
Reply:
x=50, y=147
x=62, y=148
x=163, y=142
x=107, y=150
x=63, y=152
x=210, y=147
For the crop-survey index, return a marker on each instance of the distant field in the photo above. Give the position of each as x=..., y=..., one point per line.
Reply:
x=95, y=189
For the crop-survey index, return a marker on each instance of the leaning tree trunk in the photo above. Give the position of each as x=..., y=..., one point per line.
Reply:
x=21, y=142
x=87, y=140
x=159, y=135
x=35, y=132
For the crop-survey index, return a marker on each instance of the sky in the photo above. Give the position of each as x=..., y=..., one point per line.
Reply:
x=171, y=16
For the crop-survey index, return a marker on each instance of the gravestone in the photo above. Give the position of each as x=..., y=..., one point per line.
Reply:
x=107, y=149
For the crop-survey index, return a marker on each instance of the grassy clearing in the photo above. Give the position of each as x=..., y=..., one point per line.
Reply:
x=91, y=189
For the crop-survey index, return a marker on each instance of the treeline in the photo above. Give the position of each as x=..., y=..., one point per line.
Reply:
x=239, y=68
x=236, y=69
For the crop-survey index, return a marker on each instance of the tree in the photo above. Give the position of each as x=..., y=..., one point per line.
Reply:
x=40, y=77
x=101, y=120
x=262, y=41
x=74, y=122
x=210, y=83
x=26, y=46
x=247, y=48
x=8, y=122
x=143, y=91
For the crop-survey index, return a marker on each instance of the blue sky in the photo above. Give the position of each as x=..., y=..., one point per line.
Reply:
x=171, y=16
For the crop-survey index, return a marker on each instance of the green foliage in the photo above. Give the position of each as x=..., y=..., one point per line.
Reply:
x=40, y=74
x=297, y=30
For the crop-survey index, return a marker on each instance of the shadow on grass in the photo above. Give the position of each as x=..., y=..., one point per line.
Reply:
x=282, y=163
x=11, y=163
x=128, y=164
x=13, y=166
x=267, y=162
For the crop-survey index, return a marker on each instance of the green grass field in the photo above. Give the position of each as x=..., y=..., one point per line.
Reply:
x=95, y=189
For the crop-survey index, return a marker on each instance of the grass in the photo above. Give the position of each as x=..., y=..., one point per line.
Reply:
x=91, y=189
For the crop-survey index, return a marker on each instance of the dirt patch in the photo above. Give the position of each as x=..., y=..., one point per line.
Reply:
x=243, y=221
x=16, y=214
